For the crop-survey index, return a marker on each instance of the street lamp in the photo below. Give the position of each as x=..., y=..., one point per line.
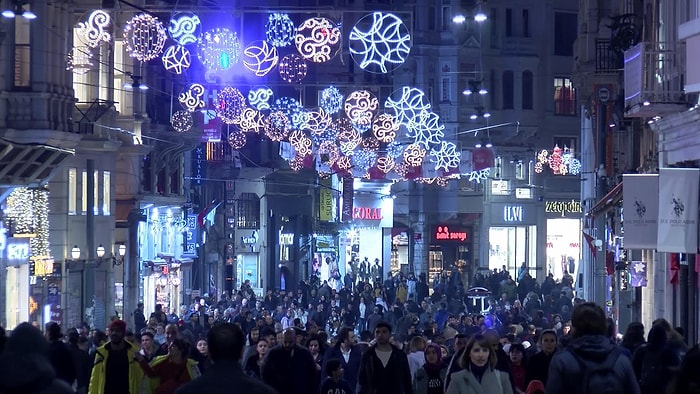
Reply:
x=121, y=251
x=100, y=251
x=75, y=253
x=18, y=10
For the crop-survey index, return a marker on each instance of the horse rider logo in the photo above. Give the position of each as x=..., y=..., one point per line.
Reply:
x=678, y=206
x=640, y=208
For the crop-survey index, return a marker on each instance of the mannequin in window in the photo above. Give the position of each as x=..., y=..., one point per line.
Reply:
x=377, y=270
x=364, y=268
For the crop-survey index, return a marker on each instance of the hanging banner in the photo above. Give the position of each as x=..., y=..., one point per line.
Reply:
x=325, y=201
x=678, y=210
x=641, y=209
x=638, y=273
x=346, y=213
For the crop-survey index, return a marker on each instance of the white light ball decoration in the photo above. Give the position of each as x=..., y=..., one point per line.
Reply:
x=192, y=98
x=260, y=97
x=446, y=156
x=229, y=105
x=331, y=100
x=292, y=68
x=318, y=121
x=385, y=128
x=296, y=163
x=278, y=127
x=407, y=104
x=79, y=60
x=379, y=42
x=360, y=107
x=95, y=30
x=348, y=138
x=237, y=139
x=177, y=59
x=145, y=37
x=413, y=155
x=252, y=121
x=182, y=121
x=184, y=28
x=219, y=49
x=328, y=152
x=364, y=159
x=402, y=169
x=385, y=164
x=279, y=30
x=301, y=143
x=318, y=40
x=260, y=58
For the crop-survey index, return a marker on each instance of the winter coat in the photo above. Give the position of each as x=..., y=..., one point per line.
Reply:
x=416, y=360
x=290, y=371
x=537, y=367
x=374, y=378
x=224, y=377
x=493, y=382
x=420, y=381
x=97, y=379
x=352, y=367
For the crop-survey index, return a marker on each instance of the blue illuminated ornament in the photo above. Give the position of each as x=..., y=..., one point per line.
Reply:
x=364, y=158
x=328, y=152
x=394, y=149
x=380, y=42
x=293, y=111
x=425, y=129
x=144, y=36
x=446, y=156
x=278, y=128
x=279, y=30
x=260, y=58
x=192, y=98
x=292, y=68
x=318, y=40
x=478, y=176
x=229, y=105
x=331, y=100
x=184, y=28
x=176, y=59
x=219, y=49
x=409, y=104
x=575, y=167
x=259, y=98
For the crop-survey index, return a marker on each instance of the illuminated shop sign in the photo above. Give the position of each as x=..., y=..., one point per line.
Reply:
x=563, y=207
x=366, y=213
x=447, y=233
x=17, y=251
x=286, y=239
x=513, y=213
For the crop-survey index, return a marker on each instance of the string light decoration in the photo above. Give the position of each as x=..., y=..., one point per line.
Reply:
x=385, y=164
x=347, y=136
x=192, y=98
x=95, y=30
x=292, y=68
x=425, y=129
x=414, y=154
x=331, y=100
x=252, y=121
x=370, y=143
x=394, y=149
x=293, y=110
x=79, y=60
x=296, y=163
x=360, y=106
x=318, y=121
x=237, y=139
x=301, y=143
x=219, y=49
x=278, y=128
x=402, y=169
x=560, y=161
x=259, y=97
x=260, y=58
x=145, y=37
x=328, y=152
x=229, y=105
x=379, y=42
x=385, y=128
x=184, y=28
x=318, y=40
x=279, y=30
x=29, y=211
x=410, y=103
x=182, y=121
x=363, y=159
x=446, y=156
x=177, y=59
x=478, y=176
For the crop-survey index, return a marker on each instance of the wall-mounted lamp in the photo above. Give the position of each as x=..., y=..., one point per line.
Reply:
x=18, y=10
x=598, y=244
x=75, y=253
x=119, y=258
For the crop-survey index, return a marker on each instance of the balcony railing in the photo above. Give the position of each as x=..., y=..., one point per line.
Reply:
x=607, y=60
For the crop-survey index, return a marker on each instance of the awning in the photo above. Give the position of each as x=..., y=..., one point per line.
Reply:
x=29, y=164
x=608, y=201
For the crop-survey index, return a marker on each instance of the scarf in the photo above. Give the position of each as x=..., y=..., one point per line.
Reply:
x=434, y=367
x=478, y=371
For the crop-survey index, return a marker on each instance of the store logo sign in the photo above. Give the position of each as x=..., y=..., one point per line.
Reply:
x=563, y=207
x=513, y=213
x=286, y=239
x=366, y=213
x=250, y=241
x=443, y=233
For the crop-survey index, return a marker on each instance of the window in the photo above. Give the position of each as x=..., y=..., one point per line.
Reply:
x=23, y=53
x=494, y=27
x=106, y=193
x=124, y=103
x=564, y=33
x=248, y=212
x=509, y=22
x=83, y=195
x=446, y=90
x=564, y=97
x=526, y=23
x=508, y=88
x=564, y=141
x=527, y=90
x=431, y=18
x=96, y=193
x=446, y=18
x=72, y=191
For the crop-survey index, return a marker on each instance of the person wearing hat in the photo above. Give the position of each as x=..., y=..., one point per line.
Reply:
x=115, y=370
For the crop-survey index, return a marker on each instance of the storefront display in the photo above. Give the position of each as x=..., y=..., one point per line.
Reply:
x=399, y=251
x=563, y=246
x=513, y=237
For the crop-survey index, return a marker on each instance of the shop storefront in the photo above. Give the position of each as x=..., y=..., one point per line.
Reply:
x=15, y=253
x=325, y=259
x=399, y=250
x=513, y=237
x=247, y=249
x=563, y=237
x=450, y=249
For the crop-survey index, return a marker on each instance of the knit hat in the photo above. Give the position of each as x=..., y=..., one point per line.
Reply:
x=119, y=324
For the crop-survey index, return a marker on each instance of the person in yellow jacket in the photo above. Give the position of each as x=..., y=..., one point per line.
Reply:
x=115, y=370
x=168, y=373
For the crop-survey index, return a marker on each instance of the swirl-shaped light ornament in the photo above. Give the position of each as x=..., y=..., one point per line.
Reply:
x=192, y=98
x=176, y=59
x=259, y=98
x=182, y=121
x=318, y=121
x=409, y=103
x=145, y=37
x=347, y=136
x=79, y=60
x=184, y=28
x=385, y=128
x=252, y=121
x=385, y=164
x=229, y=105
x=279, y=30
x=301, y=143
x=95, y=30
x=237, y=139
x=446, y=156
x=318, y=40
x=278, y=127
x=331, y=100
x=260, y=58
x=219, y=49
x=360, y=107
x=413, y=155
x=293, y=68
x=344, y=163
x=328, y=152
x=425, y=129
x=380, y=42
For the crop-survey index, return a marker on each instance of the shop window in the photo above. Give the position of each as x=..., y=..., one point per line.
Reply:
x=564, y=97
x=248, y=212
x=435, y=264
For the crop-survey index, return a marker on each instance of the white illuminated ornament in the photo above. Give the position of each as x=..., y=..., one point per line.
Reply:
x=237, y=139
x=252, y=121
x=413, y=155
x=192, y=98
x=95, y=30
x=384, y=128
x=79, y=60
x=360, y=107
x=410, y=103
x=447, y=156
x=182, y=121
x=260, y=58
x=331, y=100
x=145, y=37
x=425, y=129
x=478, y=176
x=328, y=152
x=259, y=98
x=184, y=28
x=318, y=121
x=229, y=105
x=385, y=164
x=380, y=42
x=292, y=68
x=318, y=40
x=301, y=143
x=177, y=59
x=219, y=49
x=279, y=30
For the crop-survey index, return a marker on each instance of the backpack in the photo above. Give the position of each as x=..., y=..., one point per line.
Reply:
x=600, y=378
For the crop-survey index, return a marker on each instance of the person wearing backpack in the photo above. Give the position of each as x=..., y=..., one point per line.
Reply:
x=591, y=364
x=657, y=361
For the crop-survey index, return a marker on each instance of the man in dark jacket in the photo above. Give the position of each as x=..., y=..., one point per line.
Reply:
x=537, y=366
x=59, y=354
x=226, y=341
x=384, y=368
x=290, y=368
x=139, y=319
x=348, y=354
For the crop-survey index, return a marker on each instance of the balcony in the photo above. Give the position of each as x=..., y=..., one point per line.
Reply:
x=607, y=60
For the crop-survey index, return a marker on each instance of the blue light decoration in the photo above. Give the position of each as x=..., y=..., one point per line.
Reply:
x=192, y=97
x=279, y=30
x=278, y=128
x=260, y=58
x=363, y=158
x=410, y=103
x=446, y=156
x=259, y=97
x=292, y=68
x=184, y=28
x=575, y=167
x=219, y=49
x=318, y=40
x=229, y=105
x=293, y=111
x=425, y=129
x=331, y=100
x=394, y=149
x=379, y=42
x=176, y=59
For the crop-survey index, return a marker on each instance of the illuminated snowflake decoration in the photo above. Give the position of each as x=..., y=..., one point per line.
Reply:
x=184, y=28
x=219, y=49
x=279, y=30
x=182, y=121
x=425, y=129
x=478, y=176
x=360, y=106
x=79, y=60
x=380, y=42
x=318, y=40
x=370, y=143
x=260, y=58
x=318, y=121
x=331, y=100
x=395, y=149
x=237, y=139
x=145, y=37
x=328, y=152
x=192, y=98
x=293, y=68
x=95, y=30
x=363, y=159
x=259, y=98
x=176, y=59
x=385, y=128
x=252, y=121
x=414, y=154
x=575, y=167
x=278, y=127
x=385, y=164
x=446, y=156
x=293, y=110
x=229, y=105
x=409, y=105
x=301, y=143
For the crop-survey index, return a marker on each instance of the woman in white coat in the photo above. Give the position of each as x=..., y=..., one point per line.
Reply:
x=479, y=375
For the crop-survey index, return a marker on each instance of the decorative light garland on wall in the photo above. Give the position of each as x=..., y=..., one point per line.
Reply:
x=29, y=211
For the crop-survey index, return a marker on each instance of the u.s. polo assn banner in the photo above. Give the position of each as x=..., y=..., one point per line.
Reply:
x=641, y=208
x=678, y=210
